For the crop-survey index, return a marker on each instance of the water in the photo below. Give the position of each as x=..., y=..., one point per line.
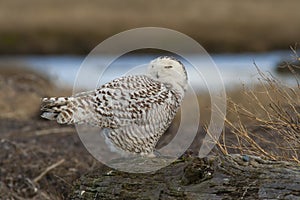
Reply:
x=235, y=69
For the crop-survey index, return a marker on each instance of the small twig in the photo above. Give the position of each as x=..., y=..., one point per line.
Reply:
x=54, y=131
x=63, y=180
x=45, y=195
x=39, y=177
x=15, y=195
x=246, y=189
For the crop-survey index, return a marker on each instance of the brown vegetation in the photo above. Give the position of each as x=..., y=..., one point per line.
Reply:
x=74, y=26
x=266, y=122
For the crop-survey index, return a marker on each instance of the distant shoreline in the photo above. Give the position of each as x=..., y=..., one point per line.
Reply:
x=76, y=27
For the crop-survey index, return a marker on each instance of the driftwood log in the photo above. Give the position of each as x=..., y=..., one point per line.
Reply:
x=220, y=177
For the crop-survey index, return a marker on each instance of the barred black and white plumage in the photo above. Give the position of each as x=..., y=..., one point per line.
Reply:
x=134, y=110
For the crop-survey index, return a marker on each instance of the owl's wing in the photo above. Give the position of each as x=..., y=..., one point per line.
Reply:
x=132, y=100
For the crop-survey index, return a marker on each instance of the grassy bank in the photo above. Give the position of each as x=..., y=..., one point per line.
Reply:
x=75, y=26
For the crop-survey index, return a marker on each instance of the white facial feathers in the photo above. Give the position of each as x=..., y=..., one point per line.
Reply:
x=169, y=70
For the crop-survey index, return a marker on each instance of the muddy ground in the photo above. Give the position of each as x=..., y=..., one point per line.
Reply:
x=39, y=159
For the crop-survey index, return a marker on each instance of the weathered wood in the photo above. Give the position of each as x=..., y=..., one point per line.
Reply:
x=229, y=177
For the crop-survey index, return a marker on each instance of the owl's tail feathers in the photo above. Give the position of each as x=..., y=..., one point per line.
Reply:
x=59, y=109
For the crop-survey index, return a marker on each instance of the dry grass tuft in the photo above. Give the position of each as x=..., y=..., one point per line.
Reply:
x=267, y=124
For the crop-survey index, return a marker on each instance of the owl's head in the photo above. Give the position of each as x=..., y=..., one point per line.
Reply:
x=169, y=70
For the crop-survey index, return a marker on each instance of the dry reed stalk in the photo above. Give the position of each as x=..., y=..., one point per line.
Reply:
x=269, y=125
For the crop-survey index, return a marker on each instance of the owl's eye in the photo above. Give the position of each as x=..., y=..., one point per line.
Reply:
x=168, y=67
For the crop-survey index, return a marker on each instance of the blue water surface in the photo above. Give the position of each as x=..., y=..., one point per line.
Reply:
x=235, y=69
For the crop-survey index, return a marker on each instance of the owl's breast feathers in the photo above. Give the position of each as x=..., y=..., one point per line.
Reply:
x=132, y=99
x=137, y=110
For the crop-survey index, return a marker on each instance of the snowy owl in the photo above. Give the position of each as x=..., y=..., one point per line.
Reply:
x=134, y=111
